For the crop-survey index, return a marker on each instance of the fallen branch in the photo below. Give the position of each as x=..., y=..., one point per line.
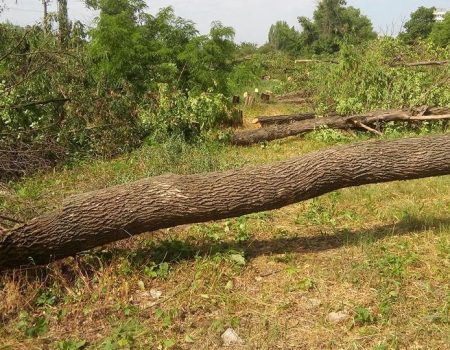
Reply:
x=368, y=128
x=274, y=132
x=36, y=103
x=282, y=119
x=316, y=61
x=418, y=64
x=10, y=52
x=97, y=218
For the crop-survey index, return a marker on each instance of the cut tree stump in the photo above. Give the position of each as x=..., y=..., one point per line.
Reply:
x=275, y=132
x=100, y=217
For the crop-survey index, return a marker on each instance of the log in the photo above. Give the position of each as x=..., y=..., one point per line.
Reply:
x=290, y=118
x=100, y=217
x=316, y=61
x=421, y=64
x=275, y=132
x=282, y=119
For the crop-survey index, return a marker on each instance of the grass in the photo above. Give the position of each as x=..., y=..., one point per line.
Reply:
x=380, y=253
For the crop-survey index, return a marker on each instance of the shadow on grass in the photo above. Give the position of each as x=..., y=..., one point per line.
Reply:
x=179, y=250
x=174, y=251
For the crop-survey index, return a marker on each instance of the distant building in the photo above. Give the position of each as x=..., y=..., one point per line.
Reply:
x=439, y=14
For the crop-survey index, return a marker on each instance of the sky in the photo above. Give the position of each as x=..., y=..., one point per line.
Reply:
x=250, y=18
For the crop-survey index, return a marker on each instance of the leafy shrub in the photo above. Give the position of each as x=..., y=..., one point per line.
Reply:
x=185, y=116
x=372, y=77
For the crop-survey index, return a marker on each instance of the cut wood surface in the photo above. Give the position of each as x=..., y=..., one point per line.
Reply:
x=97, y=218
x=274, y=132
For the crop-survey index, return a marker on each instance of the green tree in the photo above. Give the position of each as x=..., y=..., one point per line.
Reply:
x=116, y=45
x=333, y=22
x=419, y=26
x=63, y=22
x=440, y=35
x=284, y=38
x=208, y=59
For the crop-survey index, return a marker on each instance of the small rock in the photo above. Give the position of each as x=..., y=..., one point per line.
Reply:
x=338, y=317
x=155, y=294
x=258, y=279
x=230, y=337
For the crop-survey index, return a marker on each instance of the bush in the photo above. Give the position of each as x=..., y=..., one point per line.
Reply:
x=185, y=116
x=371, y=77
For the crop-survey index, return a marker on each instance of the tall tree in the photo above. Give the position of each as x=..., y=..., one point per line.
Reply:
x=63, y=22
x=332, y=23
x=440, y=34
x=420, y=25
x=116, y=40
x=283, y=37
x=209, y=59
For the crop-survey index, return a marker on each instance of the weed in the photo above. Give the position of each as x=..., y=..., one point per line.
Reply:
x=71, y=344
x=123, y=336
x=32, y=327
x=161, y=270
x=363, y=316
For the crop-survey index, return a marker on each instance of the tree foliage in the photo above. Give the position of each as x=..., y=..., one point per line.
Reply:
x=440, y=34
x=208, y=59
x=333, y=23
x=419, y=26
x=88, y=96
x=283, y=37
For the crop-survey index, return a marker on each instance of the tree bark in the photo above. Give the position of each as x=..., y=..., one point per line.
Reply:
x=282, y=119
x=274, y=132
x=97, y=218
x=418, y=64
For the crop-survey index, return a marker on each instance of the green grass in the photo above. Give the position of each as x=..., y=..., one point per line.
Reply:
x=380, y=253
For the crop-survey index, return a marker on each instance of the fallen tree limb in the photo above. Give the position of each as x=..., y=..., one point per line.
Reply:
x=316, y=61
x=368, y=128
x=37, y=103
x=290, y=118
x=97, y=218
x=274, y=132
x=418, y=64
x=282, y=119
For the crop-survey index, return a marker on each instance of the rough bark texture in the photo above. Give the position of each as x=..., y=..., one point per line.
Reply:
x=274, y=132
x=282, y=119
x=115, y=213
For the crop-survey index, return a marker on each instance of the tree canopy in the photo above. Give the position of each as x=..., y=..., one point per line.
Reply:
x=440, y=34
x=420, y=25
x=333, y=22
x=283, y=37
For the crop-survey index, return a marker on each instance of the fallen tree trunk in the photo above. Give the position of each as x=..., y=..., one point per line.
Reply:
x=418, y=64
x=292, y=98
x=97, y=218
x=316, y=61
x=264, y=121
x=274, y=132
x=282, y=119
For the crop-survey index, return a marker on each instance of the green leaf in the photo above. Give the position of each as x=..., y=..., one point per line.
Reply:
x=238, y=259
